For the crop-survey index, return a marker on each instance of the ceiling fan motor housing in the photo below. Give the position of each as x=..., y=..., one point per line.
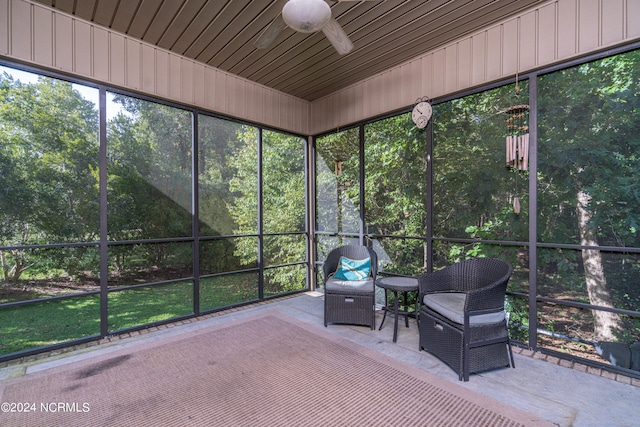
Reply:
x=306, y=16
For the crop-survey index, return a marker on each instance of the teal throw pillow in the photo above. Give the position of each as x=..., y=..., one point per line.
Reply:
x=351, y=269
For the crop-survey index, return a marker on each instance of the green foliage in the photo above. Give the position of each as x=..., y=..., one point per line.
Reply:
x=149, y=171
x=284, y=279
x=219, y=141
x=284, y=201
x=49, y=159
x=518, y=318
x=338, y=182
x=394, y=190
x=473, y=190
x=589, y=141
x=589, y=144
x=49, y=182
x=395, y=179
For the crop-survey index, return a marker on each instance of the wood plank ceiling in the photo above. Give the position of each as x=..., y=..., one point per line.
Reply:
x=222, y=33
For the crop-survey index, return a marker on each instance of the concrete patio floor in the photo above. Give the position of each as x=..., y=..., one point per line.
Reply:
x=553, y=390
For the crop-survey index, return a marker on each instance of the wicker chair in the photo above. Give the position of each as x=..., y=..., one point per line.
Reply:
x=349, y=301
x=462, y=316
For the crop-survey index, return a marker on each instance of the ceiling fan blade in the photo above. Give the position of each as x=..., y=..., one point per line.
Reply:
x=338, y=38
x=269, y=35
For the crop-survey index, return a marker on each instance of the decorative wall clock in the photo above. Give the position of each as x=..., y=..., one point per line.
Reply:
x=422, y=112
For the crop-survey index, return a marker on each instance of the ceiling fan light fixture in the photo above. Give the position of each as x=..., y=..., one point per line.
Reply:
x=306, y=16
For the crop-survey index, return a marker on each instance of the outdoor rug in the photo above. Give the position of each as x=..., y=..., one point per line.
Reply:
x=265, y=370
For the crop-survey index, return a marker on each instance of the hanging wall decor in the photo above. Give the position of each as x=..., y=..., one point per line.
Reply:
x=517, y=142
x=338, y=166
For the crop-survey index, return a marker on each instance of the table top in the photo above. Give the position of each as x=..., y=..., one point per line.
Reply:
x=402, y=284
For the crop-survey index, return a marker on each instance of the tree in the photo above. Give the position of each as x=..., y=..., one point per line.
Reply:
x=473, y=188
x=150, y=172
x=49, y=163
x=283, y=196
x=219, y=140
x=589, y=152
x=338, y=182
x=395, y=191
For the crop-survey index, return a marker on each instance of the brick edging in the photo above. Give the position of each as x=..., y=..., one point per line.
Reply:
x=578, y=366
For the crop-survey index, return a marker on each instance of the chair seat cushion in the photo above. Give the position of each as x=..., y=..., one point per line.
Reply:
x=349, y=286
x=451, y=306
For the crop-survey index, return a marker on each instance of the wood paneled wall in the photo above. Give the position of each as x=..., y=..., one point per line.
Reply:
x=553, y=32
x=34, y=34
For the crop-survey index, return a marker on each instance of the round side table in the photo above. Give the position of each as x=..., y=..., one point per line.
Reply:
x=397, y=284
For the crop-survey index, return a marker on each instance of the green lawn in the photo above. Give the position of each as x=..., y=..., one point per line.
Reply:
x=46, y=323
x=51, y=322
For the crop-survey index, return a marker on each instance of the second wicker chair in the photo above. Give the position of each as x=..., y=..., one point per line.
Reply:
x=462, y=316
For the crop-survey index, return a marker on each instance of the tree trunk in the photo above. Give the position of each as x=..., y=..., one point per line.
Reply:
x=604, y=322
x=5, y=268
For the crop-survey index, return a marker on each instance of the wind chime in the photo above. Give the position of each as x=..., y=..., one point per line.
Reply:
x=517, y=143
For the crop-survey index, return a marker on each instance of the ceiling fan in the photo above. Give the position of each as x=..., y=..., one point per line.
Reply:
x=307, y=16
